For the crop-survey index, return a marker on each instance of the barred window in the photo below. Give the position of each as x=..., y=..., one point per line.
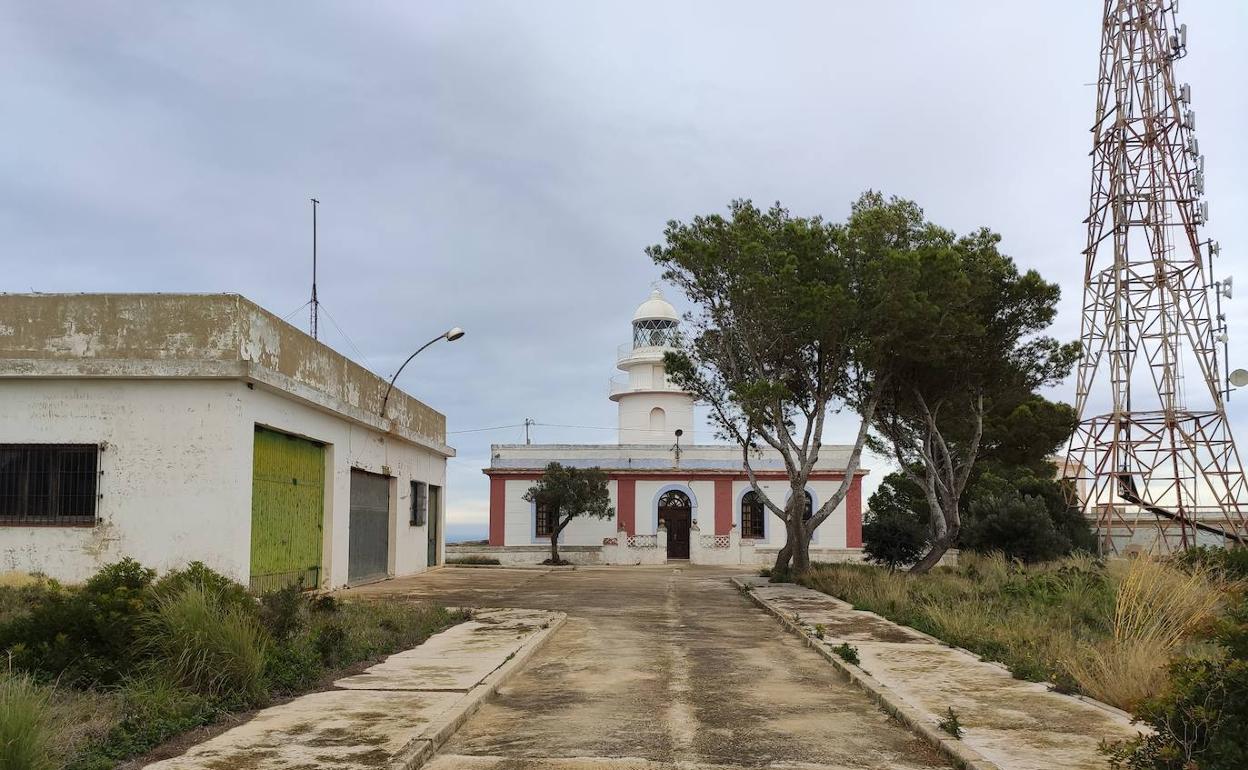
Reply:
x=543, y=524
x=752, y=515
x=52, y=484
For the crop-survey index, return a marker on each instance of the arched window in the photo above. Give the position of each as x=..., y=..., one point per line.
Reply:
x=753, y=513
x=674, y=498
x=809, y=508
x=658, y=419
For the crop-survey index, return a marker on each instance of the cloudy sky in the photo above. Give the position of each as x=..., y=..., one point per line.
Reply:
x=501, y=166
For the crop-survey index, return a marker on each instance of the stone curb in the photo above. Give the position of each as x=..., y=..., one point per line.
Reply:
x=529, y=567
x=423, y=747
x=959, y=753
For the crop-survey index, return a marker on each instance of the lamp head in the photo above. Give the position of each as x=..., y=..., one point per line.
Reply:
x=454, y=334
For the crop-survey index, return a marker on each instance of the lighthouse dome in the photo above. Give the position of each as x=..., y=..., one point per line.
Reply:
x=656, y=309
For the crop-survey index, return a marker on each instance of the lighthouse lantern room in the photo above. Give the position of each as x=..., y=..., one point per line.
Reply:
x=651, y=408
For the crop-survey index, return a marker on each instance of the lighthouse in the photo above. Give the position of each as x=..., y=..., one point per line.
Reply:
x=651, y=408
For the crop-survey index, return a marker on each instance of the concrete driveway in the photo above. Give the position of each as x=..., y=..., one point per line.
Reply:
x=659, y=667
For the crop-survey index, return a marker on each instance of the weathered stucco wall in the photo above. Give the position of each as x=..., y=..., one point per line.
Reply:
x=177, y=474
x=195, y=335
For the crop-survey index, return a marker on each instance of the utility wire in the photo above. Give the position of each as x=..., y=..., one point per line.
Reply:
x=482, y=430
x=291, y=314
x=350, y=342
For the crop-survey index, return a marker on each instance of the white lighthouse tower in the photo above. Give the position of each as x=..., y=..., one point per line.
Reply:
x=651, y=408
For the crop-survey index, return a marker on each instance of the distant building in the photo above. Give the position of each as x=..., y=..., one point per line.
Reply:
x=174, y=427
x=693, y=503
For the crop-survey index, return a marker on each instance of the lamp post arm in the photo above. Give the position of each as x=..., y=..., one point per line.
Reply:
x=386, y=400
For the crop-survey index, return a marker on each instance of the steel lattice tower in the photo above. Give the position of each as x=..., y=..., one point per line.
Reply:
x=1156, y=463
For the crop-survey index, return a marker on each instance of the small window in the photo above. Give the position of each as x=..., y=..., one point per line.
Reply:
x=420, y=503
x=752, y=515
x=809, y=509
x=52, y=484
x=542, y=523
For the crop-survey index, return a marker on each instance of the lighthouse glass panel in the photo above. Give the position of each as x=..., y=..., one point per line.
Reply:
x=654, y=332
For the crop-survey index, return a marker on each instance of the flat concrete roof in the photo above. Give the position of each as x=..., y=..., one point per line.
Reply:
x=653, y=457
x=200, y=336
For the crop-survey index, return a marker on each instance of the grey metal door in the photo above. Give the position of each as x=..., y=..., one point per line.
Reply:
x=368, y=537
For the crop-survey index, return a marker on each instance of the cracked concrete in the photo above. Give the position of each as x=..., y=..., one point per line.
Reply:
x=657, y=669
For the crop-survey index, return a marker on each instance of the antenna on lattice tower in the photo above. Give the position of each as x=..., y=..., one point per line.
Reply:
x=1154, y=459
x=315, y=305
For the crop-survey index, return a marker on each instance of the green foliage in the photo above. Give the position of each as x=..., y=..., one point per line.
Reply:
x=1031, y=618
x=847, y=652
x=31, y=733
x=208, y=646
x=1199, y=722
x=82, y=636
x=227, y=592
x=153, y=710
x=567, y=493
x=473, y=559
x=950, y=724
x=281, y=611
x=292, y=666
x=1229, y=563
x=894, y=538
x=1018, y=526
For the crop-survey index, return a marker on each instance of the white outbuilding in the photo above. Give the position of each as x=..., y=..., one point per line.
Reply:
x=174, y=427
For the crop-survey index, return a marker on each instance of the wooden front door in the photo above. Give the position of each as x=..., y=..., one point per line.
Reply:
x=676, y=512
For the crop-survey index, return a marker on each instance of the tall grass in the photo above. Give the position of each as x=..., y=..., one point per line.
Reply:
x=1157, y=608
x=1104, y=630
x=32, y=732
x=210, y=648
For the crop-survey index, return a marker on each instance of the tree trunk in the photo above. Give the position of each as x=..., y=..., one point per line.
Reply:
x=554, y=548
x=939, y=547
x=783, y=558
x=801, y=543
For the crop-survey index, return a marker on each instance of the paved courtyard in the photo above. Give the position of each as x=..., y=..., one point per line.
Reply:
x=661, y=667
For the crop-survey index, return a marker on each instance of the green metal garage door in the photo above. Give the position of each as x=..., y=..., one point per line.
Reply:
x=287, y=508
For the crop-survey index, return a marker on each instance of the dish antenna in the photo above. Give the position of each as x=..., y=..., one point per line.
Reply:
x=1239, y=378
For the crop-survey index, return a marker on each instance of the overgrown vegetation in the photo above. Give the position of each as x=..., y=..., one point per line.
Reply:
x=108, y=670
x=1107, y=630
x=473, y=559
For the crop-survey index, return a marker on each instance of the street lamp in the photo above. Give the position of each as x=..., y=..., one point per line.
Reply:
x=450, y=335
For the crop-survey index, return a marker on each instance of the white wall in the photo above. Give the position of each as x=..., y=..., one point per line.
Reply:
x=177, y=468
x=634, y=416
x=519, y=520
x=519, y=524
x=175, y=481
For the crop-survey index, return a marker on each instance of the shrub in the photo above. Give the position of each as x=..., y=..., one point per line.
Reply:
x=31, y=730
x=217, y=651
x=281, y=611
x=153, y=710
x=894, y=539
x=293, y=666
x=473, y=559
x=1198, y=722
x=228, y=592
x=83, y=636
x=1017, y=525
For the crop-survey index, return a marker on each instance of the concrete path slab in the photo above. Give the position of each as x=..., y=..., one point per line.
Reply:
x=1009, y=724
x=457, y=659
x=394, y=715
x=663, y=668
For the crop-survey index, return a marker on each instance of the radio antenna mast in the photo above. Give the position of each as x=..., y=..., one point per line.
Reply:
x=315, y=304
x=1156, y=464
